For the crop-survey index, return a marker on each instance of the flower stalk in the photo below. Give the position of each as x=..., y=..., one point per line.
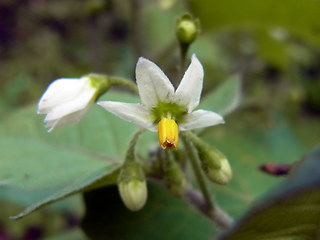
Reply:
x=194, y=160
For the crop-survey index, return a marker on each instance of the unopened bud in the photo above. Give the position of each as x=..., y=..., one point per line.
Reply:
x=213, y=162
x=132, y=186
x=187, y=28
x=175, y=179
x=220, y=175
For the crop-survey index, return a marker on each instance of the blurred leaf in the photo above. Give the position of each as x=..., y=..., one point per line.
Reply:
x=41, y=166
x=247, y=145
x=74, y=234
x=290, y=210
x=271, y=50
x=163, y=217
x=32, y=164
x=299, y=17
x=225, y=98
x=23, y=198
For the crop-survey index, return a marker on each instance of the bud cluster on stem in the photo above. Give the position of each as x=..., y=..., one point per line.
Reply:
x=174, y=177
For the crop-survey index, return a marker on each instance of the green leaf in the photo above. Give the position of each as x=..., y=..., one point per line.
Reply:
x=75, y=234
x=60, y=172
x=52, y=166
x=299, y=17
x=225, y=99
x=292, y=210
x=248, y=144
x=163, y=217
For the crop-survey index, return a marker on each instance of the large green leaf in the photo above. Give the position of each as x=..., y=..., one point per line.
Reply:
x=300, y=17
x=53, y=166
x=163, y=217
x=60, y=172
x=290, y=210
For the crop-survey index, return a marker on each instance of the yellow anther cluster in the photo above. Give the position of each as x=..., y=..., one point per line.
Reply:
x=168, y=133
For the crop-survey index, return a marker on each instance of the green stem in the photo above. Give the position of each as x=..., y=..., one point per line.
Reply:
x=183, y=58
x=124, y=82
x=194, y=159
x=130, y=155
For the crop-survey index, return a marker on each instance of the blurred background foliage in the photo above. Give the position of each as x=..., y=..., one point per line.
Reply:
x=274, y=46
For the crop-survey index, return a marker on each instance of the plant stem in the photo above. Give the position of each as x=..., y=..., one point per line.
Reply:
x=193, y=156
x=130, y=155
x=183, y=57
x=205, y=205
x=220, y=218
x=124, y=82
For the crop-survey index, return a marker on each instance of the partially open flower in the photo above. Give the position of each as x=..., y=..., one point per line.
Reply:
x=163, y=108
x=67, y=100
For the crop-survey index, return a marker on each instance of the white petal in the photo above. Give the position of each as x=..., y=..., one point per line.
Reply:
x=153, y=84
x=66, y=108
x=189, y=90
x=131, y=112
x=60, y=91
x=68, y=119
x=200, y=119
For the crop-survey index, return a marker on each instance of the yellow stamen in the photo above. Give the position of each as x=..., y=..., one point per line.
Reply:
x=168, y=133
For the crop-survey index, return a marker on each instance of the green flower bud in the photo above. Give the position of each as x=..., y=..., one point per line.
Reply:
x=220, y=175
x=187, y=28
x=132, y=186
x=133, y=194
x=174, y=177
x=213, y=162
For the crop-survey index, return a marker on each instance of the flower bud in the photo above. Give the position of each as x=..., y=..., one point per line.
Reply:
x=187, y=28
x=213, y=162
x=175, y=179
x=133, y=194
x=220, y=175
x=132, y=186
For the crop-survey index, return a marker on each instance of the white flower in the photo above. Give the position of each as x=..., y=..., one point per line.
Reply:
x=66, y=101
x=162, y=107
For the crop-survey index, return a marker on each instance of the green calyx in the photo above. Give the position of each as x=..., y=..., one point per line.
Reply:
x=100, y=82
x=130, y=171
x=169, y=110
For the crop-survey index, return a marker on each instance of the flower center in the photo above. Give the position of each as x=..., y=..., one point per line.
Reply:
x=168, y=133
x=168, y=110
